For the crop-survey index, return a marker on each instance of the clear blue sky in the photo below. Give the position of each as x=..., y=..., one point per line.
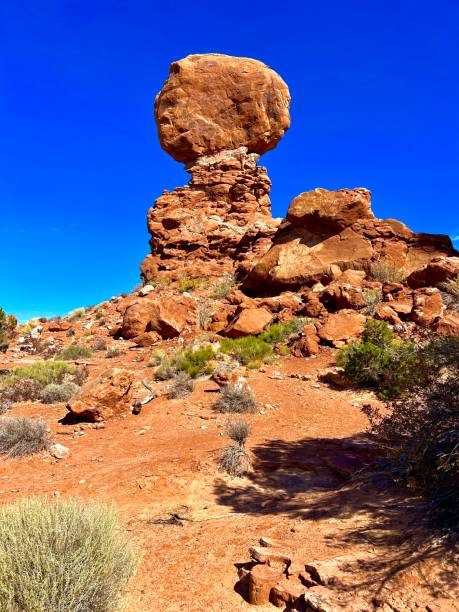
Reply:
x=375, y=104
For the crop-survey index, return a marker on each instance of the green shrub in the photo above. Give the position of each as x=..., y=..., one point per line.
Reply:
x=53, y=394
x=21, y=436
x=73, y=352
x=195, y=363
x=62, y=556
x=224, y=287
x=191, y=362
x=279, y=332
x=7, y=326
x=379, y=362
x=187, y=284
x=235, y=399
x=420, y=433
x=45, y=372
x=384, y=271
x=251, y=351
x=371, y=298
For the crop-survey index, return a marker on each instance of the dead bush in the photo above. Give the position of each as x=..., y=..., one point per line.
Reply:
x=182, y=386
x=235, y=461
x=238, y=431
x=21, y=436
x=236, y=399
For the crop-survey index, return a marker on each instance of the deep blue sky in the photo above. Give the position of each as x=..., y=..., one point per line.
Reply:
x=375, y=101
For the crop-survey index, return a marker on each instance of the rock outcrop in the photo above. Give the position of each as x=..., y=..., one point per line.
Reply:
x=211, y=103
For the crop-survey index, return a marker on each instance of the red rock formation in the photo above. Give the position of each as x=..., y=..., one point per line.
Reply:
x=211, y=103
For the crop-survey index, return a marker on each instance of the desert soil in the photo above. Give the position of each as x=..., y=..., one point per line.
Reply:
x=306, y=440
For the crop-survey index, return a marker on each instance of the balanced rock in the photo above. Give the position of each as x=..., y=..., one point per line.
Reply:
x=213, y=102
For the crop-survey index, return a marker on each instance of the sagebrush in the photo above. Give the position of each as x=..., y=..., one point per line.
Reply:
x=62, y=556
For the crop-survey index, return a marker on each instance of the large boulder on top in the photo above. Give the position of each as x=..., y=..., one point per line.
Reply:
x=167, y=316
x=439, y=270
x=334, y=210
x=250, y=321
x=213, y=102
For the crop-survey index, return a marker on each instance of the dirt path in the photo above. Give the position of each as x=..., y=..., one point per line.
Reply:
x=306, y=439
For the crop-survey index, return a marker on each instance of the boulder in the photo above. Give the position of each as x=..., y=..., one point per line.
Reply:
x=250, y=321
x=166, y=316
x=437, y=271
x=428, y=306
x=343, y=325
x=287, y=594
x=385, y=313
x=320, y=209
x=212, y=102
x=447, y=324
x=109, y=395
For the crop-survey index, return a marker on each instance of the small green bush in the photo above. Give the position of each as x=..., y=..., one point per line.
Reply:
x=279, y=332
x=21, y=436
x=7, y=326
x=53, y=394
x=187, y=284
x=251, y=351
x=62, y=556
x=73, y=352
x=195, y=363
x=379, y=362
x=45, y=372
x=371, y=298
x=191, y=362
x=224, y=287
x=236, y=399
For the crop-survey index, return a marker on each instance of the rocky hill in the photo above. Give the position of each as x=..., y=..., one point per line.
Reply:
x=222, y=269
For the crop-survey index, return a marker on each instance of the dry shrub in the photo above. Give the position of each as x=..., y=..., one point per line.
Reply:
x=62, y=556
x=53, y=393
x=384, y=271
x=112, y=352
x=236, y=398
x=238, y=431
x=20, y=390
x=21, y=436
x=450, y=293
x=182, y=386
x=235, y=460
x=99, y=345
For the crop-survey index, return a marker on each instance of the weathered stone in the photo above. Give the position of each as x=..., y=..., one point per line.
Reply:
x=109, y=395
x=213, y=102
x=384, y=312
x=287, y=593
x=250, y=321
x=270, y=555
x=342, y=325
x=435, y=272
x=447, y=324
x=320, y=209
x=262, y=579
x=428, y=306
x=59, y=451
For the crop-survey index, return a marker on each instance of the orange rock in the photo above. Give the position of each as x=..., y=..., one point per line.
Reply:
x=166, y=316
x=262, y=579
x=287, y=593
x=110, y=394
x=447, y=324
x=437, y=271
x=342, y=325
x=250, y=321
x=385, y=313
x=213, y=102
x=428, y=306
x=320, y=209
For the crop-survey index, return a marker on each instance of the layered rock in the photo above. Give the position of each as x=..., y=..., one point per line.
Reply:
x=325, y=229
x=221, y=219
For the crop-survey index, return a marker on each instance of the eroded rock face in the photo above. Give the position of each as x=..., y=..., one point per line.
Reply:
x=320, y=209
x=213, y=102
x=221, y=220
x=337, y=228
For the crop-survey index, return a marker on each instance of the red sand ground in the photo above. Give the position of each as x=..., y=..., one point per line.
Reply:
x=164, y=461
